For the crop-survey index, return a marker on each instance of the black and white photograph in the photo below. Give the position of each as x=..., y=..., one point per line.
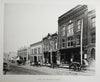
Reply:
x=47, y=39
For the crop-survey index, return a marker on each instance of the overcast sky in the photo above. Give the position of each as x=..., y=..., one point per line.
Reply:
x=27, y=23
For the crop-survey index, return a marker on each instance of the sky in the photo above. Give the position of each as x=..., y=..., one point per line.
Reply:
x=27, y=23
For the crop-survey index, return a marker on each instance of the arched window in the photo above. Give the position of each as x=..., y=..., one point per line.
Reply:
x=93, y=53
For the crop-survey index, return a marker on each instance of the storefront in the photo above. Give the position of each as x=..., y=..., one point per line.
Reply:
x=54, y=57
x=70, y=55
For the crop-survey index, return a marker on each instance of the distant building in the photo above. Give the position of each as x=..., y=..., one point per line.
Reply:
x=12, y=55
x=23, y=53
x=50, y=48
x=6, y=57
x=36, y=54
x=69, y=34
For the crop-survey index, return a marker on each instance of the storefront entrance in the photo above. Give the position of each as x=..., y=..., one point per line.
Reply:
x=47, y=57
x=93, y=53
x=54, y=57
x=35, y=60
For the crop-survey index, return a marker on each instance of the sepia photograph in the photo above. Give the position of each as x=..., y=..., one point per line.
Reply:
x=49, y=39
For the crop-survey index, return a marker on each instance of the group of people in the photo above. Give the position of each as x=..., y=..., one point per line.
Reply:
x=21, y=61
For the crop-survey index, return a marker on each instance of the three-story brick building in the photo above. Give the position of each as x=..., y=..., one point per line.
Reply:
x=69, y=33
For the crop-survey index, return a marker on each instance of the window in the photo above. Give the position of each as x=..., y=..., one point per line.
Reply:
x=63, y=43
x=49, y=47
x=70, y=41
x=55, y=45
x=92, y=37
x=46, y=48
x=63, y=31
x=70, y=29
x=43, y=49
x=78, y=25
x=93, y=53
x=39, y=50
x=78, y=40
x=93, y=22
x=35, y=51
x=32, y=51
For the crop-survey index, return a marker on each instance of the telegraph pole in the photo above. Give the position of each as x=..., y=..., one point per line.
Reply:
x=81, y=41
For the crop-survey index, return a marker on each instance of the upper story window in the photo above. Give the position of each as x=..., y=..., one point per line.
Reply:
x=39, y=50
x=92, y=37
x=46, y=48
x=49, y=48
x=35, y=51
x=63, y=31
x=70, y=30
x=78, y=40
x=32, y=51
x=56, y=45
x=78, y=25
x=93, y=22
x=70, y=41
x=43, y=49
x=63, y=43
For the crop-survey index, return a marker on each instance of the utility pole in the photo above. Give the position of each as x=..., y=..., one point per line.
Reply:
x=81, y=41
x=51, y=50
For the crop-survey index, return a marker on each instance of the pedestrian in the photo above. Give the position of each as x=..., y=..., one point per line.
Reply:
x=39, y=63
x=58, y=63
x=5, y=68
x=85, y=63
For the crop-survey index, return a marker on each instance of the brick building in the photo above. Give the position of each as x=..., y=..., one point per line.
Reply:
x=69, y=34
x=91, y=35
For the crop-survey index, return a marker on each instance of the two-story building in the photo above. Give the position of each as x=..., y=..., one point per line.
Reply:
x=36, y=54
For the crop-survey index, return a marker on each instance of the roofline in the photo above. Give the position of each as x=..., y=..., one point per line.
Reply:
x=92, y=11
x=70, y=11
x=36, y=43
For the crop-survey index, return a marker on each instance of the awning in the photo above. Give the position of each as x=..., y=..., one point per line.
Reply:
x=70, y=49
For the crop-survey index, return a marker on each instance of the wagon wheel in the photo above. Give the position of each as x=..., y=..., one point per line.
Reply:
x=75, y=67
